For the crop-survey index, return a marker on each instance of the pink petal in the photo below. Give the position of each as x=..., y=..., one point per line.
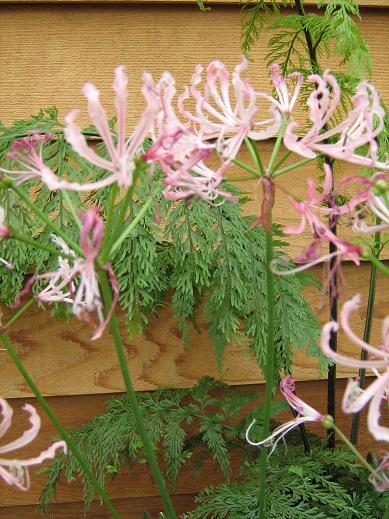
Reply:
x=27, y=436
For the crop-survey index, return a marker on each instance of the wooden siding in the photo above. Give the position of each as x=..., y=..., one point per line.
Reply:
x=48, y=52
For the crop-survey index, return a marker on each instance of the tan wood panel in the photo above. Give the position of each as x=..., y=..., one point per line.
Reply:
x=74, y=411
x=361, y=3
x=134, y=506
x=49, y=51
x=62, y=360
x=76, y=46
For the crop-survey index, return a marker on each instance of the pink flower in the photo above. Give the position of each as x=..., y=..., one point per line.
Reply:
x=76, y=282
x=195, y=178
x=312, y=211
x=356, y=398
x=173, y=141
x=227, y=109
x=305, y=413
x=360, y=127
x=284, y=100
x=15, y=472
x=27, y=154
x=122, y=154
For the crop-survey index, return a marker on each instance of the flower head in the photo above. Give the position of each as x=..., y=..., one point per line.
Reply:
x=15, y=472
x=28, y=155
x=359, y=128
x=305, y=413
x=122, y=153
x=227, y=108
x=76, y=282
x=321, y=204
x=356, y=398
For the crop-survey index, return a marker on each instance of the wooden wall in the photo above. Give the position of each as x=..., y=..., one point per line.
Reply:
x=48, y=50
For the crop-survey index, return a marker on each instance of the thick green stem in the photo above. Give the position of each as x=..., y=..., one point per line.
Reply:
x=131, y=394
x=44, y=219
x=367, y=331
x=269, y=369
x=63, y=434
x=386, y=516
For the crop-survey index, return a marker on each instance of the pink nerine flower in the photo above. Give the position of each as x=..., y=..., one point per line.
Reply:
x=360, y=127
x=27, y=154
x=305, y=413
x=356, y=398
x=180, y=152
x=227, y=109
x=123, y=152
x=15, y=472
x=312, y=211
x=284, y=101
x=76, y=282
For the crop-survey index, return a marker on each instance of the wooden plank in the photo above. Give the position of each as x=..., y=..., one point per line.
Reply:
x=74, y=411
x=85, y=42
x=178, y=3
x=134, y=506
x=63, y=361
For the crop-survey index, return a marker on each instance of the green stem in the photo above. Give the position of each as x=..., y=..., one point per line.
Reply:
x=18, y=314
x=255, y=156
x=115, y=231
x=282, y=160
x=295, y=165
x=352, y=448
x=135, y=221
x=63, y=434
x=56, y=252
x=269, y=369
x=245, y=166
x=386, y=516
x=131, y=394
x=71, y=207
x=367, y=330
x=110, y=208
x=375, y=261
x=57, y=230
x=276, y=146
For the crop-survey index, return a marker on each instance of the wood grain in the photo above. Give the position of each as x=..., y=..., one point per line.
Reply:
x=63, y=361
x=177, y=3
x=49, y=51
x=137, y=487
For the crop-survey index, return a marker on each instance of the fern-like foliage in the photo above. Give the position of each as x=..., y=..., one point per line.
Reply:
x=182, y=424
x=192, y=251
x=324, y=484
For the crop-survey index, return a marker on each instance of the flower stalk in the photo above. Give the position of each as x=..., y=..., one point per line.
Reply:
x=367, y=332
x=63, y=434
x=131, y=394
x=269, y=369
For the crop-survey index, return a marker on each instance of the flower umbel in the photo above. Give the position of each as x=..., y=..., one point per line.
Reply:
x=15, y=472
